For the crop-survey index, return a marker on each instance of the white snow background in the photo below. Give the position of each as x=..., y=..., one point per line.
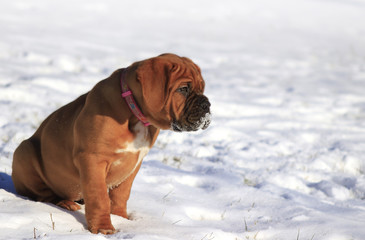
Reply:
x=284, y=155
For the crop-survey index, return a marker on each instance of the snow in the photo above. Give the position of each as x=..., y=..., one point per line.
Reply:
x=284, y=155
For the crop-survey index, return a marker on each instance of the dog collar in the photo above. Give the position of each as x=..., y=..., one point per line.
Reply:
x=128, y=97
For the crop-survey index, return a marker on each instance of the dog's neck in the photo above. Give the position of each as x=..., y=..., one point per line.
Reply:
x=129, y=99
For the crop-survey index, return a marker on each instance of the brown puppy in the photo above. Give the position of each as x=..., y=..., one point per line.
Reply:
x=92, y=148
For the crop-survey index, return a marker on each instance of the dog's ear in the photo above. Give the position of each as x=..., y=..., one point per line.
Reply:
x=153, y=75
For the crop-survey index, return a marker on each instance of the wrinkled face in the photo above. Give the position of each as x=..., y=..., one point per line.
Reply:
x=195, y=114
x=172, y=89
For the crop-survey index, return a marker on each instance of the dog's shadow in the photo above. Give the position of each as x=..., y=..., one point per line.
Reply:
x=7, y=184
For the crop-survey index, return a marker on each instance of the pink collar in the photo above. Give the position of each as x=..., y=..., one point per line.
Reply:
x=128, y=97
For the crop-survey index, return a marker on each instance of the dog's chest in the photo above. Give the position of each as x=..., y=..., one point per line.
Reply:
x=129, y=156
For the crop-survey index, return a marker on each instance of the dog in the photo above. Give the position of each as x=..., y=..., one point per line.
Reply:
x=92, y=148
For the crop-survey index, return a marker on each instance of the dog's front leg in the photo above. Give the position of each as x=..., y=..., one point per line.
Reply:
x=120, y=195
x=97, y=202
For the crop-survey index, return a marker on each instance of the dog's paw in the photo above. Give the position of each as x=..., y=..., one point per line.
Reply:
x=107, y=231
x=101, y=224
x=69, y=205
x=104, y=230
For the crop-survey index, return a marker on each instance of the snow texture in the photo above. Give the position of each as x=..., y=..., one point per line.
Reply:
x=283, y=157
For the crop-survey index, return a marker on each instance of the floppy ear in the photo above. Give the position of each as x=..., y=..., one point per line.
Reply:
x=153, y=75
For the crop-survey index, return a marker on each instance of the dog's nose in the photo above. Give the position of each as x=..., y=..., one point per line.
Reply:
x=205, y=106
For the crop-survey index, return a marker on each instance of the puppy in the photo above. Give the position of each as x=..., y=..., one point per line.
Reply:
x=92, y=148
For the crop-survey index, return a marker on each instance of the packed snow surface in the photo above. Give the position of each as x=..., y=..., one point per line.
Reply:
x=284, y=155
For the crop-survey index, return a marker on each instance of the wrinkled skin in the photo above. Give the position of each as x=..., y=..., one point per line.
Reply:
x=180, y=104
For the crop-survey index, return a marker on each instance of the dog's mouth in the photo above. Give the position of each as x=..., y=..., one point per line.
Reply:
x=203, y=124
x=197, y=116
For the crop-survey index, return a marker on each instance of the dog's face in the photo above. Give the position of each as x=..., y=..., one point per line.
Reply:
x=172, y=93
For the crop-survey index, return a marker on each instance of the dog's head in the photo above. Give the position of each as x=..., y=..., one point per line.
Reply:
x=171, y=93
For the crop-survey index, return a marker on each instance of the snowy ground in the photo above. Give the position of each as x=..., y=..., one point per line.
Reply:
x=284, y=155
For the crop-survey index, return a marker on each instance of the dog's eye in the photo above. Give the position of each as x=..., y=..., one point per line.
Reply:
x=184, y=90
